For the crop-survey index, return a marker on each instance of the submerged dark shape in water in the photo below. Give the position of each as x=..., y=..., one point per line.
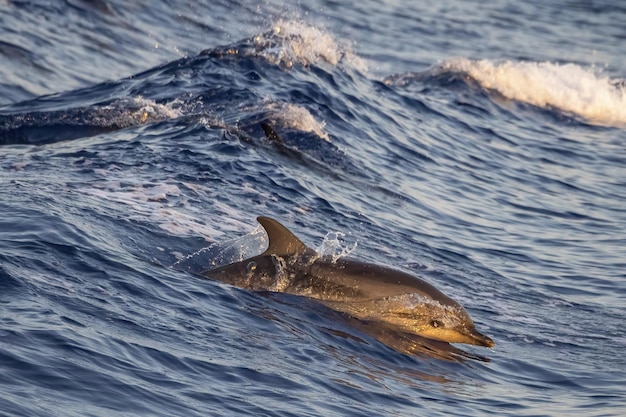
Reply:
x=402, y=311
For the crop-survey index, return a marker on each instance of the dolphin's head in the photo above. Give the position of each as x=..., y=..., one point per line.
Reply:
x=426, y=317
x=375, y=293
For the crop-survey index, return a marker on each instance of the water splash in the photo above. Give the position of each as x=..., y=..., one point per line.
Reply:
x=567, y=87
x=291, y=42
x=148, y=110
x=300, y=118
x=297, y=117
x=335, y=246
x=224, y=253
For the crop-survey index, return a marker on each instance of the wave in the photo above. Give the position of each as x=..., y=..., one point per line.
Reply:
x=295, y=41
x=297, y=117
x=568, y=88
x=194, y=88
x=42, y=127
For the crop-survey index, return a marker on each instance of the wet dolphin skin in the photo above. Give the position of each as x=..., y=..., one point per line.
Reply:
x=362, y=290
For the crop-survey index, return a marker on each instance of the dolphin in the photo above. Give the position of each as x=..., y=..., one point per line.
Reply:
x=364, y=291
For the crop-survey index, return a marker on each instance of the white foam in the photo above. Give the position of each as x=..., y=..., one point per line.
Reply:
x=300, y=118
x=306, y=45
x=150, y=110
x=296, y=117
x=135, y=111
x=567, y=87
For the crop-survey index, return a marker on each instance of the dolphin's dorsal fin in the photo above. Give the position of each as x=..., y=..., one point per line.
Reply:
x=271, y=134
x=282, y=241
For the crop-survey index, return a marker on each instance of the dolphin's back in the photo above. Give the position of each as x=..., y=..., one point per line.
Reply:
x=347, y=279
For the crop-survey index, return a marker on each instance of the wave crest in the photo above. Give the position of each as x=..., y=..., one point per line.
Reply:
x=567, y=87
x=293, y=42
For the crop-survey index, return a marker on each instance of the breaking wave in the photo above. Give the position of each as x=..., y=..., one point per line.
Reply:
x=288, y=43
x=295, y=41
x=297, y=117
x=567, y=87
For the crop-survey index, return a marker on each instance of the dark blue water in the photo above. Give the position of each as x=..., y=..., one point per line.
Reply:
x=480, y=147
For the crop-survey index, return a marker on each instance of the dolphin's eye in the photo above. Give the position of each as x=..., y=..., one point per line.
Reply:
x=436, y=323
x=251, y=267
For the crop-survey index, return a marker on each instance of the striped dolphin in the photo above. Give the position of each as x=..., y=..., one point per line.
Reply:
x=365, y=291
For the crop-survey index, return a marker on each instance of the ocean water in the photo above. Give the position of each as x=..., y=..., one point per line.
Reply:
x=481, y=147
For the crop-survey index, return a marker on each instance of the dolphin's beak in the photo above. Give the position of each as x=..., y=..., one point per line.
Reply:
x=471, y=336
x=479, y=339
